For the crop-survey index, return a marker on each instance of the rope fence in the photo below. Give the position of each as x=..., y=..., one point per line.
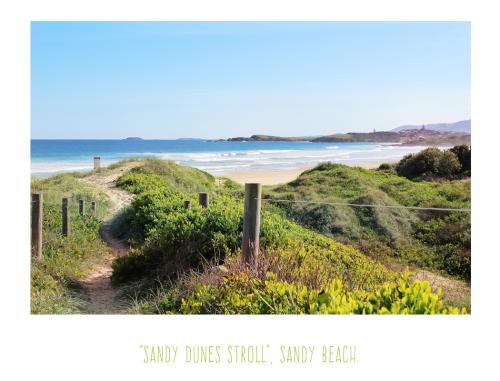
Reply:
x=251, y=216
x=368, y=205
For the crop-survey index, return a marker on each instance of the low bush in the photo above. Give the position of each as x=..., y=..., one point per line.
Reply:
x=450, y=239
x=185, y=239
x=162, y=173
x=434, y=163
x=244, y=294
x=386, y=167
x=463, y=153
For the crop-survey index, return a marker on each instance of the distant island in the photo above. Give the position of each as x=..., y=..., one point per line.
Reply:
x=133, y=138
x=270, y=138
x=455, y=135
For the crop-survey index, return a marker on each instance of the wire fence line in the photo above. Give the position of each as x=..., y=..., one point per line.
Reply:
x=367, y=205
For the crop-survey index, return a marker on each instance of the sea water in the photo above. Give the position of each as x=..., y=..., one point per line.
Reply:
x=216, y=157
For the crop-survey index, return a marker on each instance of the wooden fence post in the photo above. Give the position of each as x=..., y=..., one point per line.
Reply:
x=251, y=223
x=66, y=221
x=203, y=198
x=36, y=224
x=94, y=208
x=81, y=206
x=187, y=204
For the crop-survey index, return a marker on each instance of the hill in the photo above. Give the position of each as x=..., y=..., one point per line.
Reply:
x=424, y=137
x=351, y=137
x=439, y=241
x=460, y=126
x=195, y=254
x=188, y=260
x=269, y=138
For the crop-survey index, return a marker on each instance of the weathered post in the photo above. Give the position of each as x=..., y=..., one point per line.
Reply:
x=187, y=204
x=203, y=198
x=66, y=222
x=97, y=162
x=251, y=223
x=94, y=208
x=36, y=224
x=81, y=206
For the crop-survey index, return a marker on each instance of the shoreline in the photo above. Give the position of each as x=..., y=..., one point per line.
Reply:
x=271, y=176
x=271, y=162
x=277, y=176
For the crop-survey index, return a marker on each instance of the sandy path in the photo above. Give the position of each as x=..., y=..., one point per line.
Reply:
x=102, y=296
x=454, y=291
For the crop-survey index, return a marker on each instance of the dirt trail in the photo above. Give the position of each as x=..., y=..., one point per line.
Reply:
x=455, y=291
x=102, y=296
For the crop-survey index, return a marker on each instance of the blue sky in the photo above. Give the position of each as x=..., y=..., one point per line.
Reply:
x=215, y=80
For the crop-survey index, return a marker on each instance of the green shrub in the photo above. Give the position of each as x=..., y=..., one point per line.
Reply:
x=164, y=173
x=463, y=153
x=243, y=294
x=386, y=167
x=450, y=238
x=448, y=165
x=425, y=163
x=434, y=163
x=146, y=210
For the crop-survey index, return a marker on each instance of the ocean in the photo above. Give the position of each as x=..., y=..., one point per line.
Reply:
x=216, y=157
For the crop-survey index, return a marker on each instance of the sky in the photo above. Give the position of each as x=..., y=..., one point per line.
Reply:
x=167, y=80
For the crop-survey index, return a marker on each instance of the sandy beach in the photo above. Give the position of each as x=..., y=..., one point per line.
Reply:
x=274, y=177
x=267, y=177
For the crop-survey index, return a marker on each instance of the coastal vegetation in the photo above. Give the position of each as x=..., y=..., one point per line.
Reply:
x=168, y=233
x=431, y=239
x=187, y=260
x=433, y=163
x=312, y=259
x=55, y=286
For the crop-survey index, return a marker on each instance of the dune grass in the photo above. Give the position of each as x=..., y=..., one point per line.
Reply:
x=439, y=241
x=55, y=280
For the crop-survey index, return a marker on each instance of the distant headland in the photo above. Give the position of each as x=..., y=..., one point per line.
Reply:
x=443, y=134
